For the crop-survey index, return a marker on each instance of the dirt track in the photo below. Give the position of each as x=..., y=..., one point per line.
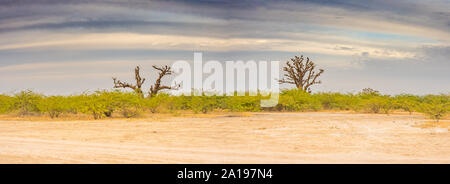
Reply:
x=259, y=138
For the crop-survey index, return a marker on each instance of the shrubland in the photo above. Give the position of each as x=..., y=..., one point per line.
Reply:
x=105, y=104
x=435, y=106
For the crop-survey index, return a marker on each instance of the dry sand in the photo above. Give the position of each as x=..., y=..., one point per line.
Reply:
x=323, y=137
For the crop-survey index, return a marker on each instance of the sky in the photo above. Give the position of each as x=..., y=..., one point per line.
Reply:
x=68, y=47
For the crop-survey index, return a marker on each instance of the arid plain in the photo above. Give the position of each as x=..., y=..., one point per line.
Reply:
x=319, y=137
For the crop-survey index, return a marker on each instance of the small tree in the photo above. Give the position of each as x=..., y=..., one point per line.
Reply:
x=54, y=105
x=435, y=106
x=27, y=102
x=301, y=73
x=406, y=102
x=387, y=104
x=374, y=102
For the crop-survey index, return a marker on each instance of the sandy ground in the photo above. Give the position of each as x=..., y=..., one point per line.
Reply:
x=322, y=137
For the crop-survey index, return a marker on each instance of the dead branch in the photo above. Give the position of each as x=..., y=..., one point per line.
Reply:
x=139, y=82
x=163, y=71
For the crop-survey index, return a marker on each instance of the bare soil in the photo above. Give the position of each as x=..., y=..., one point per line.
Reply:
x=322, y=137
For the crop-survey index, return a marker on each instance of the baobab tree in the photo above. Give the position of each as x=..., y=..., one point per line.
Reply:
x=301, y=73
x=137, y=87
x=154, y=89
x=163, y=71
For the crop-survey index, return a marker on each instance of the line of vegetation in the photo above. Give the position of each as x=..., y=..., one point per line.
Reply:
x=300, y=72
x=103, y=104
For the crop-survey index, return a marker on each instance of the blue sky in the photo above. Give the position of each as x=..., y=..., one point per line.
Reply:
x=63, y=48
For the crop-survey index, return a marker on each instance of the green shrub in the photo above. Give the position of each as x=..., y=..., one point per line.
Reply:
x=299, y=100
x=54, y=105
x=373, y=102
x=6, y=104
x=406, y=102
x=153, y=103
x=111, y=100
x=92, y=104
x=202, y=104
x=75, y=103
x=129, y=104
x=336, y=101
x=163, y=102
x=102, y=104
x=435, y=106
x=26, y=102
x=387, y=104
x=243, y=103
x=372, y=105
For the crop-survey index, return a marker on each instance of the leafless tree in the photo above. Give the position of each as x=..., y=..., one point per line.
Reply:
x=301, y=73
x=154, y=89
x=137, y=87
x=163, y=71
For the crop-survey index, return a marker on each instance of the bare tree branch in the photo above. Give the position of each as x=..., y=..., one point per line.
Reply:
x=163, y=71
x=139, y=82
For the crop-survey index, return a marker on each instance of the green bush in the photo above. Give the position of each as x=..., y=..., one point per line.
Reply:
x=406, y=102
x=6, y=104
x=373, y=102
x=242, y=103
x=202, y=104
x=299, y=100
x=76, y=103
x=153, y=103
x=387, y=104
x=337, y=101
x=101, y=104
x=104, y=103
x=109, y=100
x=129, y=104
x=54, y=105
x=26, y=102
x=164, y=102
x=435, y=106
x=92, y=104
x=377, y=104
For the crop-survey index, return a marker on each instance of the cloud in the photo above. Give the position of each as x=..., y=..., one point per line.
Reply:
x=369, y=38
x=394, y=17
x=161, y=42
